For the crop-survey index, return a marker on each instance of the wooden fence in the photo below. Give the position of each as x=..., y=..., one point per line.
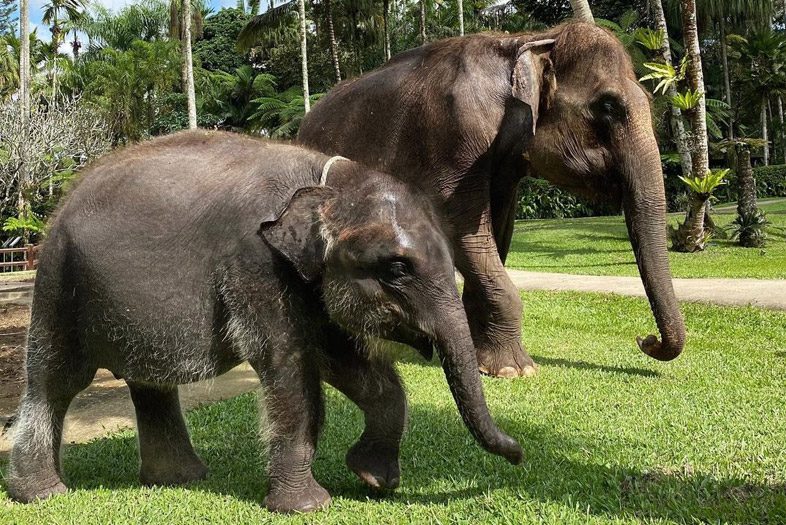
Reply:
x=19, y=259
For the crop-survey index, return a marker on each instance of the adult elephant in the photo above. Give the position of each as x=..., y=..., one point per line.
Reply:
x=466, y=118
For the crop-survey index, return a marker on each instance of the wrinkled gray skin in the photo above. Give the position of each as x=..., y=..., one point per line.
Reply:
x=465, y=118
x=175, y=260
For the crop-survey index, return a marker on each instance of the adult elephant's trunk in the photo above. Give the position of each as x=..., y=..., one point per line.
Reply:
x=644, y=203
x=457, y=354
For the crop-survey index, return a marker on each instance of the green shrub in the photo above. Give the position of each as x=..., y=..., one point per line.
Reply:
x=770, y=182
x=538, y=199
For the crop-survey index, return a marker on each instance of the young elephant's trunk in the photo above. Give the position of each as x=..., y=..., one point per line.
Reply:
x=457, y=354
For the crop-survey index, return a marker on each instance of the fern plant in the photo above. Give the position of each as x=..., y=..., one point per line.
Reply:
x=750, y=229
x=687, y=101
x=704, y=186
x=666, y=73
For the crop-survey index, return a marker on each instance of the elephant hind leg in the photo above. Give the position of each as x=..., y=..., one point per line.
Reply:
x=165, y=451
x=56, y=373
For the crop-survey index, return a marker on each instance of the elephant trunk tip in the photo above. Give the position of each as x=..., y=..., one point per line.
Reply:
x=508, y=448
x=660, y=351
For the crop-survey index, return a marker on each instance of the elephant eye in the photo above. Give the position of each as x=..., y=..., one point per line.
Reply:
x=395, y=269
x=609, y=108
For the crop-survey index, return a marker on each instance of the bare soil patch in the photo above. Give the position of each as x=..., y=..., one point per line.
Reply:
x=14, y=321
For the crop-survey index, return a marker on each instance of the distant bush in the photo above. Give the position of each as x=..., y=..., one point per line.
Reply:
x=770, y=182
x=538, y=199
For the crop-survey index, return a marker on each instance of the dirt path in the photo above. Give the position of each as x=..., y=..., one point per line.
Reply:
x=733, y=292
x=106, y=406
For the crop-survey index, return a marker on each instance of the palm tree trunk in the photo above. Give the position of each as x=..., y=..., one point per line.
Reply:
x=461, y=17
x=24, y=101
x=783, y=131
x=333, y=42
x=188, y=63
x=385, y=22
x=746, y=199
x=765, y=132
x=677, y=126
x=582, y=11
x=301, y=7
x=691, y=236
x=422, y=22
x=726, y=79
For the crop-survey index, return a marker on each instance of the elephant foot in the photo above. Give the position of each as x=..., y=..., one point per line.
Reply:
x=375, y=465
x=177, y=471
x=36, y=490
x=506, y=361
x=286, y=499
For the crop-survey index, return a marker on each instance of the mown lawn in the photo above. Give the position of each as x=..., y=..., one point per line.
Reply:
x=599, y=246
x=610, y=436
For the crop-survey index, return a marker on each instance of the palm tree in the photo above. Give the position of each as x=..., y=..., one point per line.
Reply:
x=691, y=235
x=24, y=99
x=274, y=18
x=677, y=126
x=301, y=9
x=763, y=57
x=181, y=20
x=460, y=7
x=9, y=67
x=386, y=26
x=422, y=21
x=582, y=11
x=59, y=13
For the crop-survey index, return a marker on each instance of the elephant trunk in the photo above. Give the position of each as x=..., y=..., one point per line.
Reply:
x=644, y=203
x=457, y=354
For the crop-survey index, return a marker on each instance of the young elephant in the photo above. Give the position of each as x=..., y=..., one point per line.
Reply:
x=157, y=269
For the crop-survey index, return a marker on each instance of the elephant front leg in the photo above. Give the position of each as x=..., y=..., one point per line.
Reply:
x=292, y=400
x=376, y=389
x=493, y=307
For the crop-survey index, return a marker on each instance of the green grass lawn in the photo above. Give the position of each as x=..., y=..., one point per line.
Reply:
x=610, y=436
x=599, y=246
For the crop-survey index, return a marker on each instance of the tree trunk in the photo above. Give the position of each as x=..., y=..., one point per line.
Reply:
x=749, y=221
x=461, y=17
x=24, y=101
x=746, y=190
x=422, y=22
x=726, y=79
x=301, y=7
x=385, y=22
x=690, y=236
x=765, y=132
x=582, y=11
x=680, y=137
x=783, y=130
x=188, y=63
x=333, y=42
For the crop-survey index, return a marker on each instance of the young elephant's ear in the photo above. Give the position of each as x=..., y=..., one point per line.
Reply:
x=295, y=232
x=533, y=80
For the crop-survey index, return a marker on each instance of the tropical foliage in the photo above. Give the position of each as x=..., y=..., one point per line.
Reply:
x=126, y=65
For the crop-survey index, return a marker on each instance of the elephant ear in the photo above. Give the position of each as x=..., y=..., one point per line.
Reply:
x=295, y=231
x=533, y=80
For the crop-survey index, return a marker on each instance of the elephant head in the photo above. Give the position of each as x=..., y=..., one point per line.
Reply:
x=378, y=253
x=593, y=135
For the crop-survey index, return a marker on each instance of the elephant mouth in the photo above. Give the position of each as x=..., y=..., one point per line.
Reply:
x=414, y=338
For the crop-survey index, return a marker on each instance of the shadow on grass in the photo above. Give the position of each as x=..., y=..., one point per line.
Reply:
x=559, y=469
x=583, y=365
